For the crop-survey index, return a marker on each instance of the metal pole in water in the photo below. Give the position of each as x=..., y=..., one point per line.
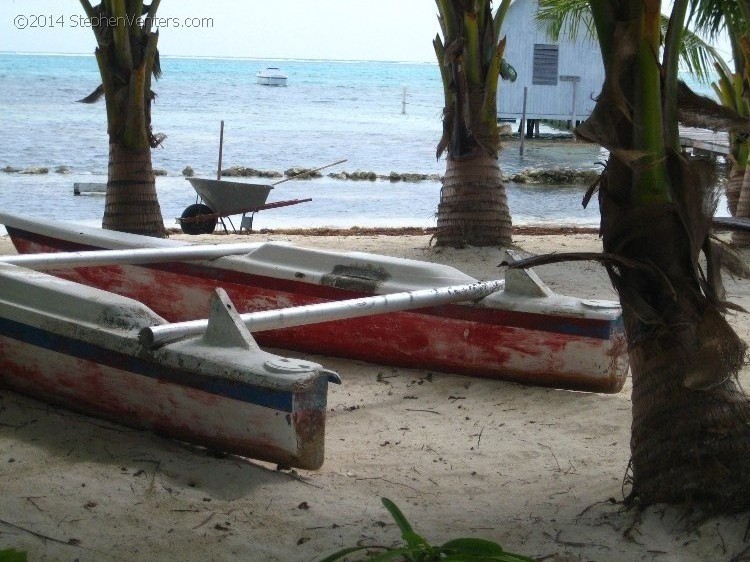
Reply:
x=328, y=311
x=573, y=116
x=523, y=119
x=221, y=148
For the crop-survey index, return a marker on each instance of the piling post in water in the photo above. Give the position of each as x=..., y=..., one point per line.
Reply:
x=403, y=102
x=523, y=119
x=574, y=80
x=221, y=148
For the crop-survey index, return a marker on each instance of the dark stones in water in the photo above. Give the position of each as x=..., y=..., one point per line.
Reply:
x=303, y=173
x=393, y=176
x=36, y=170
x=309, y=173
x=356, y=176
x=555, y=176
x=241, y=171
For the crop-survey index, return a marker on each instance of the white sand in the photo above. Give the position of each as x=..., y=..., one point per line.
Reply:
x=536, y=469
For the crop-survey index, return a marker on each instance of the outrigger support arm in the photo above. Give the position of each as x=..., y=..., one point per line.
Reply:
x=328, y=311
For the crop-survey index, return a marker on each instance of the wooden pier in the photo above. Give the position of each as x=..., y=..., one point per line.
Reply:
x=703, y=142
x=731, y=223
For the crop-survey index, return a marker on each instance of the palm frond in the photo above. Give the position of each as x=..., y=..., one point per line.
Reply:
x=507, y=71
x=704, y=113
x=711, y=17
x=698, y=57
x=94, y=96
x=565, y=17
x=157, y=66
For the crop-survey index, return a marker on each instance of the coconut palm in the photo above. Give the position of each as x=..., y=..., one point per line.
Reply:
x=127, y=58
x=697, y=57
x=729, y=88
x=690, y=438
x=473, y=206
x=732, y=87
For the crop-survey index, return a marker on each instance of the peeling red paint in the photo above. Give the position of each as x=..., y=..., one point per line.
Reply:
x=173, y=410
x=474, y=341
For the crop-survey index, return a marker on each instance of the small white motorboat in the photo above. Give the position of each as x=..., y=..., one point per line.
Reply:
x=271, y=76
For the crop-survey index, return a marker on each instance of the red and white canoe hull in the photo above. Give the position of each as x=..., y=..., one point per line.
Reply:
x=77, y=347
x=547, y=340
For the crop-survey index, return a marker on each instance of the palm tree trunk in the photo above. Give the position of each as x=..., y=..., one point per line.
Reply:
x=473, y=206
x=131, y=204
x=688, y=446
x=690, y=437
x=733, y=187
x=741, y=238
x=690, y=440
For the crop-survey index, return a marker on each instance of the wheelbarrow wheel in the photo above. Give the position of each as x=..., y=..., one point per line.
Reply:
x=206, y=226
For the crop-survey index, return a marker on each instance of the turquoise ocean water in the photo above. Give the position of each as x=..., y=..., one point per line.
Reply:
x=329, y=111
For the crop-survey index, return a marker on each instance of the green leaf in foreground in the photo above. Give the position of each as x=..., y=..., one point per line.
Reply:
x=12, y=555
x=417, y=549
x=407, y=533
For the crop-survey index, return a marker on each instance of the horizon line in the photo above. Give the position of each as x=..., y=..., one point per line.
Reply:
x=222, y=57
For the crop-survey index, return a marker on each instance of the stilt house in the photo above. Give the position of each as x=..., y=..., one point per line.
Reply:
x=561, y=78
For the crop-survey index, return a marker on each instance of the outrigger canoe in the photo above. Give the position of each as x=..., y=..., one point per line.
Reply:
x=78, y=347
x=524, y=332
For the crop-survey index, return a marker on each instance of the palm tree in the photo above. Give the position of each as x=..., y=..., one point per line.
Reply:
x=709, y=17
x=127, y=58
x=729, y=87
x=473, y=206
x=732, y=87
x=690, y=438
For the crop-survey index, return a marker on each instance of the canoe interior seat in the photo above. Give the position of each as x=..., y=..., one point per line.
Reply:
x=354, y=270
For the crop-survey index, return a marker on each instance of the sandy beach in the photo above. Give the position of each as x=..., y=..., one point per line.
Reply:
x=539, y=470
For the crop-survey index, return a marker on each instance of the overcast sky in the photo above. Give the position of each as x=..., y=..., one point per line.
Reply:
x=397, y=30
x=391, y=30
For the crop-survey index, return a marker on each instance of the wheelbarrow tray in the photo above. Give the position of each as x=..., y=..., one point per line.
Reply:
x=230, y=197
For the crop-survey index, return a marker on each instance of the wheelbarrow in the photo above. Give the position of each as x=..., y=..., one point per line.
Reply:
x=218, y=199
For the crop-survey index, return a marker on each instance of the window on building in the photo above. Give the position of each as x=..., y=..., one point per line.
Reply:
x=545, y=65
